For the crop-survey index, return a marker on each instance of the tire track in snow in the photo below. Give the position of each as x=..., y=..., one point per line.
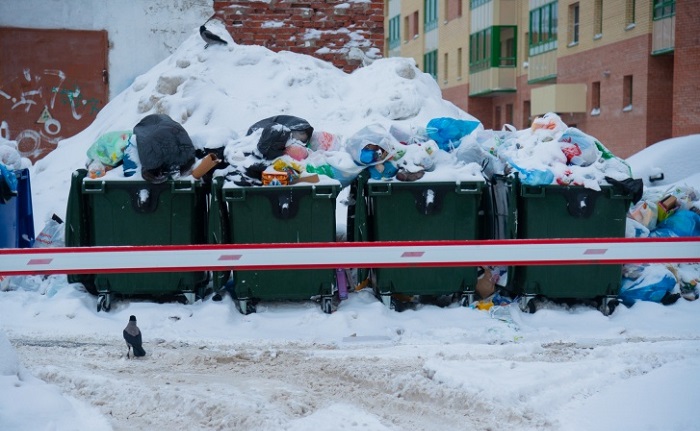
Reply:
x=245, y=387
x=268, y=386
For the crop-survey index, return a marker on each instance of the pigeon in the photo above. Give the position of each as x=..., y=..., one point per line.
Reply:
x=210, y=38
x=132, y=336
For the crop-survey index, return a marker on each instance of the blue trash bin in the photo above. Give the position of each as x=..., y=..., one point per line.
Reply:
x=17, y=216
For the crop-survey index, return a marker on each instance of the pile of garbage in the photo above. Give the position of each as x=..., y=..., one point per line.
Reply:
x=663, y=213
x=286, y=150
x=549, y=152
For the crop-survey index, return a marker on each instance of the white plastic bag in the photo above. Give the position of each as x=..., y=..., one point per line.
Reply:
x=52, y=235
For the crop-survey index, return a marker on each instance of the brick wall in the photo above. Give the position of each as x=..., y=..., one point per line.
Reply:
x=686, y=72
x=479, y=107
x=624, y=132
x=343, y=33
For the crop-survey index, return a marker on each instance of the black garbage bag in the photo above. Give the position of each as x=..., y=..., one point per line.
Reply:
x=635, y=187
x=164, y=147
x=277, y=131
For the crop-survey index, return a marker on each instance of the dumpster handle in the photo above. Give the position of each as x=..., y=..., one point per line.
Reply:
x=234, y=194
x=614, y=195
x=323, y=192
x=467, y=188
x=379, y=189
x=533, y=191
x=93, y=187
x=187, y=187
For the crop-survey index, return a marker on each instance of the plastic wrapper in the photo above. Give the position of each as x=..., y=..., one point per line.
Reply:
x=109, y=148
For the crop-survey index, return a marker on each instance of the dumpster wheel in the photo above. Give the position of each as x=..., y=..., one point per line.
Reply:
x=189, y=297
x=245, y=306
x=466, y=299
x=327, y=304
x=608, y=305
x=104, y=303
x=528, y=303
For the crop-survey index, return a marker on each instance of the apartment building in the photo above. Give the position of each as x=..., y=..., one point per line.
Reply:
x=624, y=71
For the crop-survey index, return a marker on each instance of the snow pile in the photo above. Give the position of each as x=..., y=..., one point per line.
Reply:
x=218, y=93
x=27, y=403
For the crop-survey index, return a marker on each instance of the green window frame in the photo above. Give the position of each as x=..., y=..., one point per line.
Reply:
x=430, y=63
x=430, y=15
x=664, y=9
x=480, y=50
x=544, y=23
x=395, y=32
x=493, y=47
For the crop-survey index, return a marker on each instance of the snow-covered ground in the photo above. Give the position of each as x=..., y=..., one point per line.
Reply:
x=289, y=366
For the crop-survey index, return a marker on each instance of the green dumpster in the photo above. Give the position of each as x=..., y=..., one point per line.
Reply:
x=275, y=214
x=553, y=211
x=418, y=211
x=121, y=212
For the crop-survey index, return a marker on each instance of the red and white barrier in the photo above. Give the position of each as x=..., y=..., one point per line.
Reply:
x=88, y=260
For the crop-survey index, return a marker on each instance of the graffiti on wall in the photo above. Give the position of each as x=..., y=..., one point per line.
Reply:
x=42, y=100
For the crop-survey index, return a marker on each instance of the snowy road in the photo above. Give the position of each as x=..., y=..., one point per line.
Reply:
x=372, y=385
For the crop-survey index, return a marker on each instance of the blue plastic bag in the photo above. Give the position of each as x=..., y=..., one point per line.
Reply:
x=131, y=162
x=680, y=223
x=533, y=177
x=447, y=132
x=9, y=177
x=651, y=285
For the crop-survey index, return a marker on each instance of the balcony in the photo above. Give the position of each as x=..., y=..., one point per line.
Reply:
x=492, y=81
x=565, y=98
x=662, y=35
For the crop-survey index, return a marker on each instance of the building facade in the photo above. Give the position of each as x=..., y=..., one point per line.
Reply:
x=347, y=34
x=624, y=71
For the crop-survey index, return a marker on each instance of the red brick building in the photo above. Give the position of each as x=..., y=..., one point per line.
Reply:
x=336, y=31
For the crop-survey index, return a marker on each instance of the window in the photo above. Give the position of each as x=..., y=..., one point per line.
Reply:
x=595, y=98
x=527, y=119
x=395, y=32
x=430, y=63
x=453, y=9
x=414, y=33
x=411, y=26
x=627, y=93
x=497, y=118
x=525, y=47
x=479, y=50
x=574, y=24
x=504, y=43
x=492, y=47
x=630, y=18
x=406, y=29
x=598, y=19
x=664, y=8
x=476, y=3
x=445, y=68
x=509, y=113
x=543, y=28
x=431, y=15
x=459, y=63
